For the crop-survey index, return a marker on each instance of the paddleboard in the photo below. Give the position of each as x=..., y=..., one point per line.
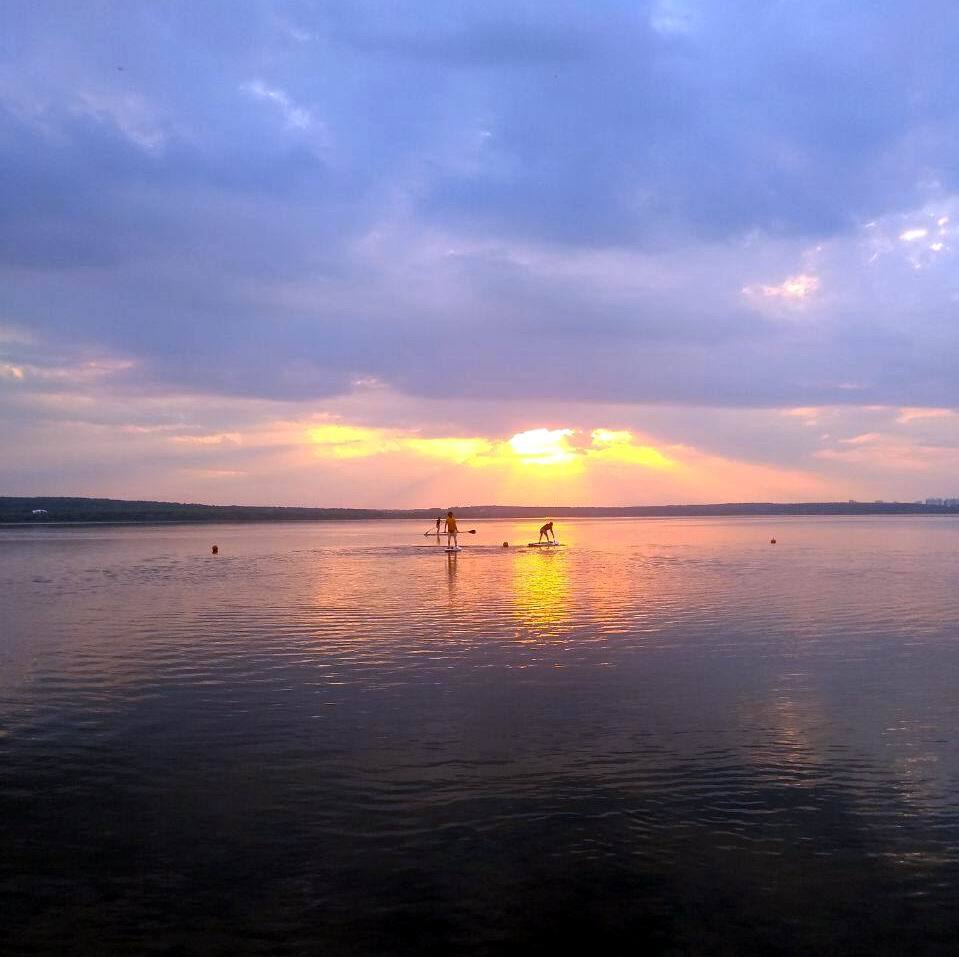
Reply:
x=543, y=544
x=455, y=548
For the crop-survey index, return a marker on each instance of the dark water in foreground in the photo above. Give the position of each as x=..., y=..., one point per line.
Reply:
x=334, y=739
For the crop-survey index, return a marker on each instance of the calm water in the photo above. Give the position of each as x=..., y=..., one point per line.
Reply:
x=335, y=738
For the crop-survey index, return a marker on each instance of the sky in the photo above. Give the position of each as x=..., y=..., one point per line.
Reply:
x=422, y=254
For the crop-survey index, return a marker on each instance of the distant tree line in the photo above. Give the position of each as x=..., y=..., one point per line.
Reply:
x=45, y=509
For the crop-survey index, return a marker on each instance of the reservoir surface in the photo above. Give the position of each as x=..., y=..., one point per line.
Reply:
x=337, y=738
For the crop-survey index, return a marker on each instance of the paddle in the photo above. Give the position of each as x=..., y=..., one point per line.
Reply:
x=465, y=531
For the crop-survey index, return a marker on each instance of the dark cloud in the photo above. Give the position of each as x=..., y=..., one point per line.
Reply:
x=276, y=199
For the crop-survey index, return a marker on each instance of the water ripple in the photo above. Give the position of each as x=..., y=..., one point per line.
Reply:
x=667, y=725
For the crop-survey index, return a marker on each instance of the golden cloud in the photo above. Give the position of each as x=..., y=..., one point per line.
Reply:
x=534, y=447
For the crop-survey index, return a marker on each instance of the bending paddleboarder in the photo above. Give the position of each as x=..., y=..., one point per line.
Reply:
x=547, y=530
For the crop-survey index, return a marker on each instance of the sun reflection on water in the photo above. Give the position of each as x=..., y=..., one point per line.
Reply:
x=541, y=591
x=451, y=577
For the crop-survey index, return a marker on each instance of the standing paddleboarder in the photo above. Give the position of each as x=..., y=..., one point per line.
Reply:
x=451, y=541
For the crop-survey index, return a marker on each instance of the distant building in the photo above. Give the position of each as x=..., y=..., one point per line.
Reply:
x=951, y=502
x=933, y=501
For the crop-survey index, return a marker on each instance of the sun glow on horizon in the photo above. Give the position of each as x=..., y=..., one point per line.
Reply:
x=566, y=465
x=543, y=446
x=563, y=461
x=538, y=448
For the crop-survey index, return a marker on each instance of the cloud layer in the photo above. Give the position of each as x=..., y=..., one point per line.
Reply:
x=648, y=206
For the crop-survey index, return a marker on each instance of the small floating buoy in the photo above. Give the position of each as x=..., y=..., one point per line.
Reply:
x=216, y=549
x=772, y=541
x=505, y=544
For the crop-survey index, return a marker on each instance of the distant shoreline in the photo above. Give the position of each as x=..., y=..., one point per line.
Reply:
x=55, y=510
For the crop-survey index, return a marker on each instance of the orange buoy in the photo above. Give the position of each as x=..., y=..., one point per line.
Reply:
x=505, y=544
x=216, y=549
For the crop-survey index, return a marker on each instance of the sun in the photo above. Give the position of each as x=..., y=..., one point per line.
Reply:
x=543, y=446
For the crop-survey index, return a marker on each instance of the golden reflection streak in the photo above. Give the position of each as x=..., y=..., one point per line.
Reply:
x=451, y=570
x=541, y=590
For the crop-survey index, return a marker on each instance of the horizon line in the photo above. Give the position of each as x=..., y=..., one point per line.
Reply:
x=9, y=502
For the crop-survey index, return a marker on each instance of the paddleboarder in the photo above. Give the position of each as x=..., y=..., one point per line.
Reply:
x=547, y=530
x=451, y=541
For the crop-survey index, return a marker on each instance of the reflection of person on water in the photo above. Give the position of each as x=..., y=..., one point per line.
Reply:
x=451, y=541
x=547, y=530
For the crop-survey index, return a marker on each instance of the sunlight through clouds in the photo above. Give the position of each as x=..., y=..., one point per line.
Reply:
x=349, y=441
x=468, y=450
x=540, y=447
x=543, y=446
x=619, y=446
x=556, y=451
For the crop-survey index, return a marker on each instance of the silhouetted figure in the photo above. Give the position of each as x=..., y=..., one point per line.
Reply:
x=547, y=531
x=451, y=540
